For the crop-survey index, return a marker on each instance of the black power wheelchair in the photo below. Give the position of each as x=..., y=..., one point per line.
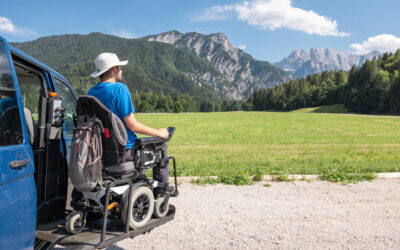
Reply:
x=124, y=196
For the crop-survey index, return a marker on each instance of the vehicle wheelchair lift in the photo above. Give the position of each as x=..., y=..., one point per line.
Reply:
x=95, y=237
x=103, y=232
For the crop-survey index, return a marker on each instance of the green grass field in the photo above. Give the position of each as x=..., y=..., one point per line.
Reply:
x=218, y=144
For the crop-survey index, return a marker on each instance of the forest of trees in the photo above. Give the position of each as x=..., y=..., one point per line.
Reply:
x=374, y=88
x=149, y=102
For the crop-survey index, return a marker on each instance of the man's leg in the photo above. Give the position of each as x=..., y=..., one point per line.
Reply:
x=162, y=174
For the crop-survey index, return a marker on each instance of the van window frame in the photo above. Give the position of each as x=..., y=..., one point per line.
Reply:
x=41, y=125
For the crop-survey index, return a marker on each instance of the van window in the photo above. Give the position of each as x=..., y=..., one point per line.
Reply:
x=10, y=122
x=30, y=85
x=69, y=105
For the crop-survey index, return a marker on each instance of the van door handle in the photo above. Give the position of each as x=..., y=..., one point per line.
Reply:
x=19, y=163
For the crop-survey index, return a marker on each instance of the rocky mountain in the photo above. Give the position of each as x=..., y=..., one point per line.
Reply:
x=241, y=71
x=315, y=60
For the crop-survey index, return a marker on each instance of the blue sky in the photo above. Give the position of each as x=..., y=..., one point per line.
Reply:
x=266, y=29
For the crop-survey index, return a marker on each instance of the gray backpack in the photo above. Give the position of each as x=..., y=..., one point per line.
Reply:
x=85, y=165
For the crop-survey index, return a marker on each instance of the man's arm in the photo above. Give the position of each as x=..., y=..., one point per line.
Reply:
x=140, y=128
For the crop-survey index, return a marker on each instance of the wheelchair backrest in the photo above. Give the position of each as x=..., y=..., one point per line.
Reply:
x=114, y=136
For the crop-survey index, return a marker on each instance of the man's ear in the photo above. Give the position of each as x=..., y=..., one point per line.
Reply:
x=115, y=70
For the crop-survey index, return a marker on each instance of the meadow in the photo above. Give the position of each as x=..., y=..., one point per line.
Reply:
x=232, y=143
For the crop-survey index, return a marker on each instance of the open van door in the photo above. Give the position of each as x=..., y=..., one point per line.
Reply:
x=17, y=184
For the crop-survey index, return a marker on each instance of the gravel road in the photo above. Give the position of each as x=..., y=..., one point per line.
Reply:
x=284, y=216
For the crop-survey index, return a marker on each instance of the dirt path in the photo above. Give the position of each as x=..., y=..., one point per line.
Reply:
x=284, y=216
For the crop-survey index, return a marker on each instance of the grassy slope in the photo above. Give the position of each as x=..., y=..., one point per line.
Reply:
x=274, y=142
x=336, y=108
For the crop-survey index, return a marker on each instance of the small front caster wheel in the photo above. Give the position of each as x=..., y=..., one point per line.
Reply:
x=75, y=222
x=159, y=210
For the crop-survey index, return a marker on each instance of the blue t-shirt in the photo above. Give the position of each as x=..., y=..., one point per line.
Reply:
x=116, y=97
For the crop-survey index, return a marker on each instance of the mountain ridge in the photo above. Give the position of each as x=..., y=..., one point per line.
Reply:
x=316, y=60
x=244, y=73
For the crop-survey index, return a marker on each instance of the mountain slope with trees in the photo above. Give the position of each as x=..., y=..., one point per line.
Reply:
x=153, y=67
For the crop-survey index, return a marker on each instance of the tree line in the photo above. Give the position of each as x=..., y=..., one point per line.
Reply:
x=149, y=102
x=374, y=88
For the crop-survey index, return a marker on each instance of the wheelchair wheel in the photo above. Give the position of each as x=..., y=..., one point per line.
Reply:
x=142, y=206
x=75, y=222
x=159, y=212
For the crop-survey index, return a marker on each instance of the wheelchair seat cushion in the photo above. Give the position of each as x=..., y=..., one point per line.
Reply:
x=125, y=168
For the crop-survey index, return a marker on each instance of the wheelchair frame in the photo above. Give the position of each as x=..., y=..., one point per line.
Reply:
x=93, y=238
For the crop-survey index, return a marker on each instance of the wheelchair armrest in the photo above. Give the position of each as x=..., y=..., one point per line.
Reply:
x=156, y=140
x=149, y=140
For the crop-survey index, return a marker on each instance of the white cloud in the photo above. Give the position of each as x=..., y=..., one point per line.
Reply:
x=381, y=43
x=7, y=27
x=215, y=13
x=242, y=47
x=119, y=32
x=276, y=14
x=123, y=33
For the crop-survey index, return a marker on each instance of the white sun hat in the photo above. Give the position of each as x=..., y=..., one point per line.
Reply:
x=106, y=61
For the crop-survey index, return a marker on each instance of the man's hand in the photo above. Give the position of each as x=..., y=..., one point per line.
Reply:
x=163, y=133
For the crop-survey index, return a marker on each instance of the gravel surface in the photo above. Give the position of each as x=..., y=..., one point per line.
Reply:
x=286, y=215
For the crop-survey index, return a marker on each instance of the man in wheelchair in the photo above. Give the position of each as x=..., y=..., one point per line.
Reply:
x=122, y=189
x=114, y=94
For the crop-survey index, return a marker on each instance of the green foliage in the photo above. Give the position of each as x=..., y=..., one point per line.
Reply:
x=237, y=179
x=258, y=175
x=315, y=90
x=234, y=179
x=267, y=185
x=342, y=175
x=282, y=178
x=374, y=87
x=178, y=107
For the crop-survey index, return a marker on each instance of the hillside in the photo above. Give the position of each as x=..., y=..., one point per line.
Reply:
x=153, y=67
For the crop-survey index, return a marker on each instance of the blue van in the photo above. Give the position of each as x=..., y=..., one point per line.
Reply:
x=37, y=105
x=33, y=155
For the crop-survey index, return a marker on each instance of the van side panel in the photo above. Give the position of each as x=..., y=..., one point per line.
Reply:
x=18, y=210
x=17, y=184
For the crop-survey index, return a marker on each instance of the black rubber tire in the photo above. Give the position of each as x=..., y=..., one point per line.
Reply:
x=158, y=212
x=75, y=222
x=140, y=195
